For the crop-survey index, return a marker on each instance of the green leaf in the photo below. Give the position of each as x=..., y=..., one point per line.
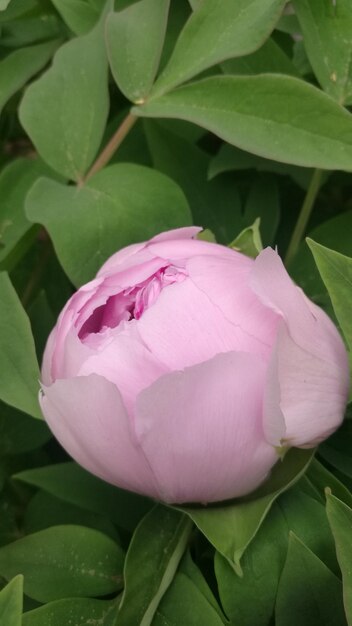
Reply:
x=336, y=272
x=194, y=574
x=19, y=384
x=340, y=520
x=122, y=204
x=277, y=117
x=37, y=26
x=19, y=66
x=135, y=39
x=327, y=35
x=217, y=31
x=85, y=612
x=230, y=159
x=73, y=484
x=184, y=603
x=11, y=598
x=19, y=433
x=323, y=479
x=64, y=561
x=230, y=527
x=335, y=234
x=4, y=4
x=270, y=58
x=215, y=205
x=249, y=240
x=337, y=449
x=261, y=567
x=15, y=180
x=45, y=510
x=306, y=517
x=158, y=543
x=16, y=9
x=64, y=112
x=263, y=202
x=79, y=15
x=309, y=593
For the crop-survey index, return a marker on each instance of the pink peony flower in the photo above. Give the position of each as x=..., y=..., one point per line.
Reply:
x=183, y=366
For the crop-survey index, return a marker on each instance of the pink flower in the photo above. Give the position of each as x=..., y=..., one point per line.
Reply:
x=183, y=366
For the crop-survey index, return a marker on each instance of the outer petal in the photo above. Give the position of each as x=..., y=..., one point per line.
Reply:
x=184, y=327
x=201, y=429
x=46, y=372
x=179, y=249
x=312, y=393
x=89, y=419
x=126, y=362
x=124, y=256
x=276, y=290
x=226, y=282
x=312, y=379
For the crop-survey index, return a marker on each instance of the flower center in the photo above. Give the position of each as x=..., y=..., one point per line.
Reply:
x=131, y=302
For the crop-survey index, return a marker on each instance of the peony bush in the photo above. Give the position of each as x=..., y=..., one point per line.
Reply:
x=175, y=312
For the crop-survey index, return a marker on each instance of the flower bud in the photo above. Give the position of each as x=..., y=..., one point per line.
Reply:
x=181, y=370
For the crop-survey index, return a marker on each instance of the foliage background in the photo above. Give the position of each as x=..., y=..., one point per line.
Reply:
x=120, y=120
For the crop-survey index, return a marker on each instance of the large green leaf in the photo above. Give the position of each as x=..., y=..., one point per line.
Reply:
x=19, y=66
x=335, y=234
x=19, y=384
x=305, y=516
x=340, y=519
x=309, y=593
x=64, y=112
x=278, y=117
x=15, y=181
x=11, y=598
x=185, y=604
x=270, y=58
x=336, y=272
x=214, y=204
x=261, y=568
x=337, y=449
x=19, y=433
x=323, y=479
x=327, y=33
x=80, y=611
x=263, y=202
x=122, y=204
x=135, y=37
x=231, y=526
x=217, y=31
x=73, y=484
x=45, y=510
x=155, y=551
x=230, y=159
x=79, y=15
x=64, y=561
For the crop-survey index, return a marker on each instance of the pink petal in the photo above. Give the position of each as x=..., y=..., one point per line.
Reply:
x=46, y=371
x=184, y=327
x=186, y=232
x=123, y=257
x=179, y=249
x=276, y=290
x=226, y=282
x=126, y=362
x=313, y=392
x=201, y=429
x=89, y=419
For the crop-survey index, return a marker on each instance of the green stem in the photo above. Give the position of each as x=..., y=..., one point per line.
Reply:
x=304, y=215
x=115, y=141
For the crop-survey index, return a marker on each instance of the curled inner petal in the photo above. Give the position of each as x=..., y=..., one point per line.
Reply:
x=131, y=302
